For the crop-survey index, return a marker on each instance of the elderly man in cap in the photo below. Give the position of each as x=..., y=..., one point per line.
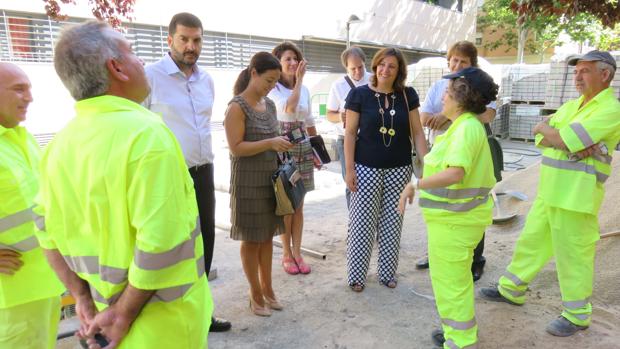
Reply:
x=563, y=219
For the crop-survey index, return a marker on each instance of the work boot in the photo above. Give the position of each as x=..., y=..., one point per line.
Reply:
x=477, y=268
x=422, y=263
x=561, y=327
x=438, y=338
x=492, y=294
x=219, y=325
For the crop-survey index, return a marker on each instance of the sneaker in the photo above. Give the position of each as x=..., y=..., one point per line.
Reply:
x=561, y=327
x=492, y=294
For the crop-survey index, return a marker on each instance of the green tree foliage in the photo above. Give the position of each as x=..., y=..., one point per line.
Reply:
x=533, y=34
x=112, y=11
x=606, y=11
x=536, y=25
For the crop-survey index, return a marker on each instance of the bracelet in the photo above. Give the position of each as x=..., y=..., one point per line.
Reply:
x=415, y=183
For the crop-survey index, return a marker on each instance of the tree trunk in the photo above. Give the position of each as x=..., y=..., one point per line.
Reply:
x=521, y=47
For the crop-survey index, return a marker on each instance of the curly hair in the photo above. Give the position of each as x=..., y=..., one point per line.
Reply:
x=467, y=98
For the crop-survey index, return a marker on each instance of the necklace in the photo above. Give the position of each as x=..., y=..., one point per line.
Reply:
x=383, y=130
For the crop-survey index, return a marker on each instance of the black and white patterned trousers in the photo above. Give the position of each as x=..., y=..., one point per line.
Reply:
x=373, y=214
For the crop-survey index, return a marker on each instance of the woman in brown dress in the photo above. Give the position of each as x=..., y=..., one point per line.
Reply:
x=253, y=139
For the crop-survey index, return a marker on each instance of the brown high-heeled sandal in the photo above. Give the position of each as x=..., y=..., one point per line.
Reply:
x=257, y=309
x=273, y=303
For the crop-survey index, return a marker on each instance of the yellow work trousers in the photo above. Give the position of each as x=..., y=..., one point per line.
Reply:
x=450, y=253
x=569, y=236
x=180, y=324
x=32, y=325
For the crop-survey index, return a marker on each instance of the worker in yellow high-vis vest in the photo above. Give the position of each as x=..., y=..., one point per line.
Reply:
x=454, y=197
x=29, y=289
x=576, y=141
x=121, y=225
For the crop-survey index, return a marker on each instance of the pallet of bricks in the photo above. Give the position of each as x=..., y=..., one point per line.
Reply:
x=422, y=76
x=521, y=97
x=561, y=87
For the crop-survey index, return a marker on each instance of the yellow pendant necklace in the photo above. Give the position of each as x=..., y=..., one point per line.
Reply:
x=384, y=130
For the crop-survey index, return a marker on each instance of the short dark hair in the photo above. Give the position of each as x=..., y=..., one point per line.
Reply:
x=185, y=19
x=262, y=62
x=352, y=51
x=466, y=97
x=279, y=50
x=401, y=76
x=464, y=48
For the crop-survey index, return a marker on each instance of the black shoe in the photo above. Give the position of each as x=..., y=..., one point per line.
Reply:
x=477, y=268
x=219, y=325
x=422, y=263
x=438, y=338
x=492, y=294
x=561, y=327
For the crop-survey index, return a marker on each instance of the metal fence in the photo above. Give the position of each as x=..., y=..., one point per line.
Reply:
x=30, y=37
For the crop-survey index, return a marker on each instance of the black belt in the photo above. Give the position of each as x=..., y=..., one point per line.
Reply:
x=198, y=168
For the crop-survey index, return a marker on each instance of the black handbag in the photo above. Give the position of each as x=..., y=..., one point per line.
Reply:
x=318, y=146
x=288, y=186
x=497, y=154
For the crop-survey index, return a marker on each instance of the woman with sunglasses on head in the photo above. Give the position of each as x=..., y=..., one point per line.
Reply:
x=292, y=100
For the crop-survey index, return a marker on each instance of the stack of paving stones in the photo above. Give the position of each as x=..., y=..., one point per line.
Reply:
x=522, y=93
x=422, y=77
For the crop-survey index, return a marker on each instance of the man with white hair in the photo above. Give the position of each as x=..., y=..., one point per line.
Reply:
x=563, y=219
x=121, y=226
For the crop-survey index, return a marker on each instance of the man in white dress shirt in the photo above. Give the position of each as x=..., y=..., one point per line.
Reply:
x=183, y=94
x=353, y=60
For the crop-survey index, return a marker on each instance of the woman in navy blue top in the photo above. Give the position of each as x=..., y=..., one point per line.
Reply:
x=380, y=119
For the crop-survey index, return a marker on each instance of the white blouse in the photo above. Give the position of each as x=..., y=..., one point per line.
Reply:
x=280, y=95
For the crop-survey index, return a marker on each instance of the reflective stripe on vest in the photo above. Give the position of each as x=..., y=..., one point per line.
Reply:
x=574, y=166
x=39, y=221
x=514, y=278
x=16, y=219
x=454, y=207
x=467, y=193
x=162, y=295
x=459, y=325
x=155, y=261
x=604, y=158
x=90, y=265
x=576, y=305
x=582, y=134
x=22, y=246
x=152, y=261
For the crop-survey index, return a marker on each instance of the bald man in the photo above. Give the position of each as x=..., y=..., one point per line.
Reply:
x=29, y=289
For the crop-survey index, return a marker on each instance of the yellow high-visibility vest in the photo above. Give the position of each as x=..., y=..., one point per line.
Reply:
x=119, y=202
x=35, y=280
x=578, y=185
x=464, y=144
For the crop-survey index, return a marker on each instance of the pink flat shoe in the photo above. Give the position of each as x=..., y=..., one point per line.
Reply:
x=290, y=266
x=303, y=267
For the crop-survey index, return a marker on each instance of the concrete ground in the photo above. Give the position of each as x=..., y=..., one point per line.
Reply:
x=322, y=312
